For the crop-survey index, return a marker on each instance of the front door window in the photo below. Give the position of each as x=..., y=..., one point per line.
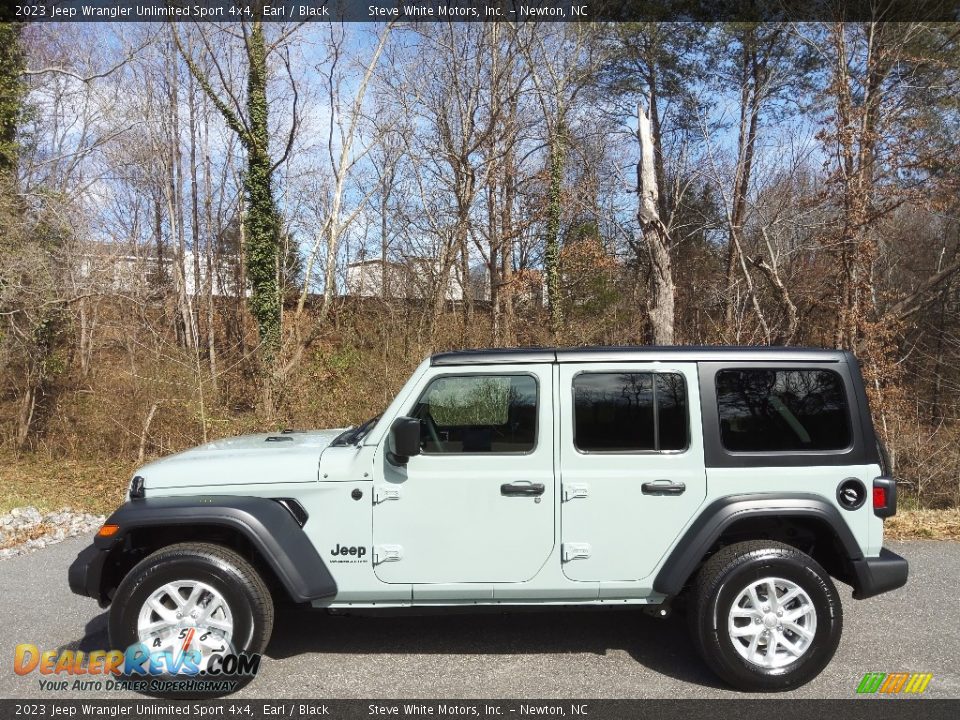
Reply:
x=478, y=414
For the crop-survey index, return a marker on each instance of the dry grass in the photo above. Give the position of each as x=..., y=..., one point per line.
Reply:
x=51, y=484
x=924, y=525
x=97, y=487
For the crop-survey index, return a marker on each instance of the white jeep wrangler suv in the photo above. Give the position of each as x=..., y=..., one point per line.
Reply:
x=740, y=480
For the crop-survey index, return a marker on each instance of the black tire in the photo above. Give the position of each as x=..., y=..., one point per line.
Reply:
x=724, y=576
x=223, y=569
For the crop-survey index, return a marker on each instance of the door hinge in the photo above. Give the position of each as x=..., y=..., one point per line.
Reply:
x=386, y=553
x=575, y=491
x=382, y=494
x=575, y=551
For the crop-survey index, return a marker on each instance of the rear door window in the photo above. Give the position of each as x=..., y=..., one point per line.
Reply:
x=629, y=412
x=782, y=410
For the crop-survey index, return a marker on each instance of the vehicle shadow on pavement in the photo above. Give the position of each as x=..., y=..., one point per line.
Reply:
x=95, y=636
x=663, y=646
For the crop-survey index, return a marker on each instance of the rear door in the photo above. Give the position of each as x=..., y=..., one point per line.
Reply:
x=631, y=465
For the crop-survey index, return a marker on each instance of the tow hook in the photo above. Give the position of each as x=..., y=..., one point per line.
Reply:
x=661, y=611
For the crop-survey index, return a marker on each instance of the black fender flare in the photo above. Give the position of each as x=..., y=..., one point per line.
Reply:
x=268, y=525
x=719, y=515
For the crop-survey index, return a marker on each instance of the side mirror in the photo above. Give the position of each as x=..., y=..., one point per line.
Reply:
x=404, y=439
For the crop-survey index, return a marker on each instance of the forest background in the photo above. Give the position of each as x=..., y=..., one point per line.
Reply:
x=210, y=229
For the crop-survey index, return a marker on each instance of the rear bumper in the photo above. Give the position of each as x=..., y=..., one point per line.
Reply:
x=86, y=572
x=880, y=574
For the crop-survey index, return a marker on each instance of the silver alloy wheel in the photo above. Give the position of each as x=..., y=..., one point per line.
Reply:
x=186, y=615
x=772, y=622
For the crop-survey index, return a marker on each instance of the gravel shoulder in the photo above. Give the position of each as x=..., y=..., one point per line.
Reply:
x=26, y=529
x=600, y=654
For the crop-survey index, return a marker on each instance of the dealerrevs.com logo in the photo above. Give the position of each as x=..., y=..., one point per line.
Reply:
x=137, y=668
x=894, y=683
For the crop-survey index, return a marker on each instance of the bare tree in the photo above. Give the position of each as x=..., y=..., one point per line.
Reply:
x=343, y=156
x=250, y=120
x=660, y=305
x=563, y=62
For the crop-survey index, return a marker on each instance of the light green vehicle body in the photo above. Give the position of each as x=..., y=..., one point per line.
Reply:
x=438, y=532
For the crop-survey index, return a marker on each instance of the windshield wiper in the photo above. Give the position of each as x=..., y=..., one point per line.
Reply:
x=353, y=435
x=365, y=429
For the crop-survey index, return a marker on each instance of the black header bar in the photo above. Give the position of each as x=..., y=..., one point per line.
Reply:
x=259, y=709
x=519, y=11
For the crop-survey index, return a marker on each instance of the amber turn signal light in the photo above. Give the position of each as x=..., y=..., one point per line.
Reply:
x=108, y=530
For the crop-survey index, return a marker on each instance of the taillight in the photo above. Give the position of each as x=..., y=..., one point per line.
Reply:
x=879, y=498
x=884, y=497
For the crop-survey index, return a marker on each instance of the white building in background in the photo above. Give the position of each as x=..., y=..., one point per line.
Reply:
x=410, y=279
x=110, y=268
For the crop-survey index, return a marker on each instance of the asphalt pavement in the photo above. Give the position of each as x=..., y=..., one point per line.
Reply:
x=579, y=654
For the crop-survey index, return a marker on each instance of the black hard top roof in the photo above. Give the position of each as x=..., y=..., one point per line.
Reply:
x=638, y=353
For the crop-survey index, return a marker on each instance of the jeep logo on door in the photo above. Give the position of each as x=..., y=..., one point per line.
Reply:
x=348, y=553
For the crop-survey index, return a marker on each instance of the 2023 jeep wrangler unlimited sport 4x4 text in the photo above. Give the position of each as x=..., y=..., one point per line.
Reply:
x=738, y=479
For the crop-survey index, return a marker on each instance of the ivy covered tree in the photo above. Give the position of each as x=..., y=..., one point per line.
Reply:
x=34, y=324
x=263, y=245
x=12, y=90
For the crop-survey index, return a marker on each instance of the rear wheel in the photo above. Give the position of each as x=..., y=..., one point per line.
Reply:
x=765, y=616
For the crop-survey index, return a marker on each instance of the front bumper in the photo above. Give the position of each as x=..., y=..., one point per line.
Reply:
x=86, y=572
x=880, y=574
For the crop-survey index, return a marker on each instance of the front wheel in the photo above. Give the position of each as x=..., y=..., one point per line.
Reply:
x=192, y=600
x=765, y=616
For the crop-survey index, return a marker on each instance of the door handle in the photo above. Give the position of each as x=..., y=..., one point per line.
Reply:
x=522, y=489
x=663, y=487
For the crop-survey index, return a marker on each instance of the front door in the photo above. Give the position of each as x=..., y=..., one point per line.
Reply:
x=476, y=506
x=631, y=459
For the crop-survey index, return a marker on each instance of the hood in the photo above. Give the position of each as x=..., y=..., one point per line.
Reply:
x=243, y=460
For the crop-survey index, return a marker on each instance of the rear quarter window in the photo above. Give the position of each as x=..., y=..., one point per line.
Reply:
x=782, y=410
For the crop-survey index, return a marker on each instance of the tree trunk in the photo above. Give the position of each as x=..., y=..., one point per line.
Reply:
x=211, y=256
x=86, y=337
x=465, y=284
x=144, y=433
x=494, y=239
x=660, y=304
x=186, y=327
x=28, y=404
x=507, y=231
x=330, y=263
x=508, y=292
x=856, y=129
x=385, y=289
x=262, y=221
x=770, y=272
x=262, y=247
x=158, y=239
x=551, y=256
x=750, y=99
x=194, y=214
x=444, y=266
